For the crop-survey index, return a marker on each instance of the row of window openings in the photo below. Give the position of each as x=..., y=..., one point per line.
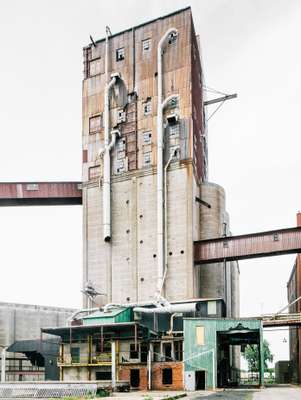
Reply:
x=138, y=352
x=120, y=53
x=95, y=125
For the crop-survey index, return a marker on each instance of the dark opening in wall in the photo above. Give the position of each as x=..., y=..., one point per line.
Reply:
x=167, y=376
x=134, y=353
x=103, y=375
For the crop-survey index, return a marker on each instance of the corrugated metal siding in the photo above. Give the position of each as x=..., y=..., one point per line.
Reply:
x=248, y=246
x=193, y=353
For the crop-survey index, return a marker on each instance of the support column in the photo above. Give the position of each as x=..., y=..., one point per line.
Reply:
x=113, y=360
x=149, y=370
x=261, y=359
x=3, y=363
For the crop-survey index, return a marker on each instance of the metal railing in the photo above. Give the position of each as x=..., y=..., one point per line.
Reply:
x=45, y=390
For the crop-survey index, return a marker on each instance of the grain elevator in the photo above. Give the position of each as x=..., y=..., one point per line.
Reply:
x=145, y=168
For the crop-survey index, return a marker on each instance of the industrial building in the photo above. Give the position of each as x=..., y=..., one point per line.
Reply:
x=145, y=168
x=146, y=200
x=20, y=332
x=294, y=293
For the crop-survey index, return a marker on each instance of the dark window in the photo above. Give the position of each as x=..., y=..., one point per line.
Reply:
x=167, y=376
x=120, y=54
x=95, y=124
x=178, y=350
x=134, y=353
x=75, y=354
x=144, y=351
x=167, y=351
x=103, y=375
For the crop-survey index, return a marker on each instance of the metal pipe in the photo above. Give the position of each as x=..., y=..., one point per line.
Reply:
x=168, y=309
x=113, y=365
x=160, y=195
x=165, y=216
x=125, y=305
x=78, y=312
x=107, y=167
x=149, y=364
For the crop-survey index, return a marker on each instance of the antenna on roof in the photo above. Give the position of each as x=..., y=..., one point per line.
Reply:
x=92, y=40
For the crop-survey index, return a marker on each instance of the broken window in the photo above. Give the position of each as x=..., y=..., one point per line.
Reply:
x=178, y=346
x=146, y=45
x=147, y=137
x=95, y=124
x=147, y=107
x=121, y=116
x=167, y=376
x=147, y=159
x=121, y=145
x=174, y=130
x=120, y=166
x=120, y=54
x=134, y=352
x=172, y=37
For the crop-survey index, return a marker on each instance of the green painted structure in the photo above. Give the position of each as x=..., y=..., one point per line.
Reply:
x=205, y=342
x=112, y=316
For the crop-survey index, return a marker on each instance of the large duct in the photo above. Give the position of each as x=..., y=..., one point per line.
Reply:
x=170, y=308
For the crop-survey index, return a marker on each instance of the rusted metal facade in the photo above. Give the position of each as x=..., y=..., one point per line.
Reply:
x=261, y=244
x=293, y=292
x=125, y=269
x=40, y=193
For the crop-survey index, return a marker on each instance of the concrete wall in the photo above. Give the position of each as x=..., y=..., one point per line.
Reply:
x=24, y=321
x=126, y=269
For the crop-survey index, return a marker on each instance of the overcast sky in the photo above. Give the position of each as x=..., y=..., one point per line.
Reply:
x=251, y=47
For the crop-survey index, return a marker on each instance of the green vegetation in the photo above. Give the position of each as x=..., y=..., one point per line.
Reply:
x=251, y=356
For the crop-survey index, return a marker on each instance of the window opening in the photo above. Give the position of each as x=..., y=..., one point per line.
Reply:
x=120, y=54
x=146, y=45
x=147, y=137
x=147, y=107
x=134, y=353
x=147, y=159
x=103, y=375
x=167, y=351
x=75, y=354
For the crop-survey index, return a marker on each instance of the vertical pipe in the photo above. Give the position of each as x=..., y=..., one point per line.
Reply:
x=113, y=361
x=106, y=206
x=160, y=199
x=160, y=189
x=3, y=364
x=149, y=364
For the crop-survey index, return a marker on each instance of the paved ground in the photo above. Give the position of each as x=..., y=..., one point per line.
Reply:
x=275, y=393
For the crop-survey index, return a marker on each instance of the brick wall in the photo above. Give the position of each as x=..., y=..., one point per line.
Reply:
x=177, y=376
x=124, y=374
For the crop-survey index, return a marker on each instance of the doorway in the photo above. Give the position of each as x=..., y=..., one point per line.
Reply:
x=135, y=378
x=200, y=380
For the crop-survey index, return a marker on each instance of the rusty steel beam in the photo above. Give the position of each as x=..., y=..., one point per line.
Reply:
x=253, y=245
x=40, y=193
